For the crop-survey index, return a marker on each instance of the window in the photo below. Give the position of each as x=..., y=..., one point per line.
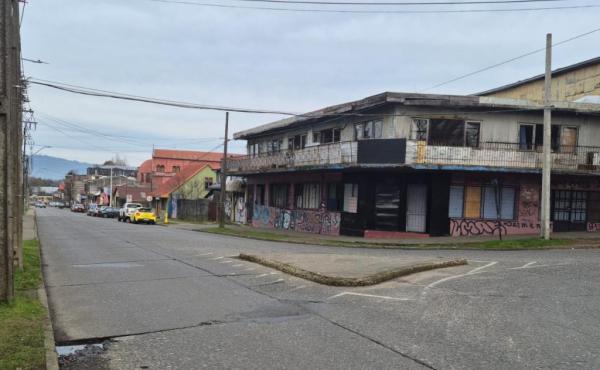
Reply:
x=297, y=142
x=335, y=197
x=568, y=140
x=531, y=136
x=455, y=209
x=446, y=132
x=419, y=129
x=160, y=168
x=308, y=196
x=279, y=195
x=482, y=202
x=176, y=169
x=208, y=181
x=350, y=198
x=260, y=195
x=369, y=130
x=274, y=146
x=472, y=134
x=331, y=135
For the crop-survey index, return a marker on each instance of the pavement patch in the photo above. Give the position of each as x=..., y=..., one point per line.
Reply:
x=364, y=280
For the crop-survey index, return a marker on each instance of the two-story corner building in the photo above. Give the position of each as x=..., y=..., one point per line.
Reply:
x=423, y=164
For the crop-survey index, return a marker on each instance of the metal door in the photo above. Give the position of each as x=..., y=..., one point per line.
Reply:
x=569, y=210
x=387, y=199
x=416, y=207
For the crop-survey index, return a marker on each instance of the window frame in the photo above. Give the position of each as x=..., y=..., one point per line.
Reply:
x=482, y=202
x=273, y=202
x=361, y=127
x=300, y=188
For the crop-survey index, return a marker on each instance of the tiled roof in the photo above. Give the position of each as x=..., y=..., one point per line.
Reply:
x=146, y=166
x=138, y=193
x=188, y=155
x=189, y=171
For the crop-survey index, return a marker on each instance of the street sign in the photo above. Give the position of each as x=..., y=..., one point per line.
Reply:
x=149, y=198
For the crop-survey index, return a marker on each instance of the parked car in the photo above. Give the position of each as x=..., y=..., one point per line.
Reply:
x=78, y=207
x=128, y=210
x=40, y=205
x=108, y=212
x=92, y=209
x=60, y=205
x=145, y=215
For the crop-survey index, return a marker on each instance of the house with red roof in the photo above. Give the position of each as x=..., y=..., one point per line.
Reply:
x=167, y=163
x=192, y=182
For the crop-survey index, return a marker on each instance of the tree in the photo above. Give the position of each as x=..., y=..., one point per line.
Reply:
x=116, y=161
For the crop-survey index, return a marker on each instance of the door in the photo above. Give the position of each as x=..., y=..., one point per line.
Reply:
x=416, y=207
x=569, y=211
x=387, y=201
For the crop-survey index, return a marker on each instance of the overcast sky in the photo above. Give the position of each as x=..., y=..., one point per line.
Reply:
x=260, y=59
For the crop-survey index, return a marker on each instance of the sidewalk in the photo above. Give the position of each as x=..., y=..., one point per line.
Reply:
x=572, y=239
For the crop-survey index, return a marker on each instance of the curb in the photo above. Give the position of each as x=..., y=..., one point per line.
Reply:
x=49, y=343
x=373, y=279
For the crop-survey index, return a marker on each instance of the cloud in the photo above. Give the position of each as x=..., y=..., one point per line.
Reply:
x=289, y=61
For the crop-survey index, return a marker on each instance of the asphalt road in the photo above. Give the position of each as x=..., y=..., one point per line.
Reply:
x=174, y=299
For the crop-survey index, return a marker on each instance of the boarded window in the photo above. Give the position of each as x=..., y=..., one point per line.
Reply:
x=351, y=198
x=568, y=139
x=455, y=209
x=308, y=196
x=506, y=203
x=446, y=132
x=472, y=202
x=594, y=207
x=279, y=195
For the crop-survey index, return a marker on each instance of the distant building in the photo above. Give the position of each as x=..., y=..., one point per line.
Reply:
x=578, y=82
x=106, y=170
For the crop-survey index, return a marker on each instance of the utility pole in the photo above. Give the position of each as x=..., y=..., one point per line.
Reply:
x=547, y=164
x=223, y=175
x=110, y=202
x=10, y=144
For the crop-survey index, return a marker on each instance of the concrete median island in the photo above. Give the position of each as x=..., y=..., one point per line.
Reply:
x=348, y=270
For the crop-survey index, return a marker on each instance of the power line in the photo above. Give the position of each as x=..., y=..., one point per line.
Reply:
x=317, y=2
x=356, y=11
x=508, y=61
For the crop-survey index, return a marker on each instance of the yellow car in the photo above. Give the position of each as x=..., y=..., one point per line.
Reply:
x=143, y=215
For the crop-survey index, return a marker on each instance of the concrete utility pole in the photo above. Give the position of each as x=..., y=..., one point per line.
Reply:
x=223, y=175
x=110, y=202
x=547, y=165
x=10, y=144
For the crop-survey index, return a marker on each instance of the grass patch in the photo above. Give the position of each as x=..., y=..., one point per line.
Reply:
x=22, y=320
x=507, y=244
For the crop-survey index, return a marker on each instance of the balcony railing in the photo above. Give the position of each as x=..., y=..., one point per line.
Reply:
x=507, y=155
x=320, y=155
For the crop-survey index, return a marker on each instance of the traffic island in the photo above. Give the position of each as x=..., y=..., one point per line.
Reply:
x=348, y=271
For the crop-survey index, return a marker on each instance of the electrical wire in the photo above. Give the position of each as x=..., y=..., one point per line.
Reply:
x=321, y=2
x=508, y=60
x=357, y=11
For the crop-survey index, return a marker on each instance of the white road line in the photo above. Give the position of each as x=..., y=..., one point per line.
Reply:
x=217, y=258
x=226, y=262
x=536, y=266
x=273, y=282
x=204, y=254
x=249, y=269
x=524, y=266
x=296, y=288
x=238, y=265
x=371, y=296
x=448, y=278
x=262, y=275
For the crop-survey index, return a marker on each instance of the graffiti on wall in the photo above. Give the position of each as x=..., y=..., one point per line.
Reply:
x=529, y=204
x=466, y=227
x=593, y=227
x=318, y=221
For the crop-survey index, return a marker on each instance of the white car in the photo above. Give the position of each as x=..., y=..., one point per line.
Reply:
x=128, y=210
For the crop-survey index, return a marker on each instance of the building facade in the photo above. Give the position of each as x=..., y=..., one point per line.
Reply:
x=399, y=164
x=577, y=82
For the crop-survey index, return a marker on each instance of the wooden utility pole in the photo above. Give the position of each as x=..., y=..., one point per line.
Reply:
x=547, y=164
x=10, y=144
x=223, y=175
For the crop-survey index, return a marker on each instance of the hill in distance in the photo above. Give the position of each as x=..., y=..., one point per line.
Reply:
x=48, y=167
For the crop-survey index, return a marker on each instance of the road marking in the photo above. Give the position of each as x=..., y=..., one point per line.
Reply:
x=370, y=296
x=217, y=258
x=226, y=262
x=249, y=269
x=536, y=266
x=272, y=282
x=296, y=288
x=262, y=275
x=448, y=278
x=524, y=266
x=205, y=254
x=238, y=265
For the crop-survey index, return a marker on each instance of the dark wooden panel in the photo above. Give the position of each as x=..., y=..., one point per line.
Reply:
x=382, y=151
x=439, y=223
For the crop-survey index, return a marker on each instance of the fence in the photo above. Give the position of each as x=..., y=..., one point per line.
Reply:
x=509, y=155
x=324, y=154
x=194, y=209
